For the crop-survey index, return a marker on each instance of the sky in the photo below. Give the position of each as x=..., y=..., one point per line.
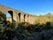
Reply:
x=34, y=7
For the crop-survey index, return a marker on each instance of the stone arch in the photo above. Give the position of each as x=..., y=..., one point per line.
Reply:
x=11, y=14
x=19, y=15
x=24, y=17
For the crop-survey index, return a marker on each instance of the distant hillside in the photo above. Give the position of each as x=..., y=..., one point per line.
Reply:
x=45, y=18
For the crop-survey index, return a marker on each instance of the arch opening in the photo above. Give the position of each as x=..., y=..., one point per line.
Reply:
x=9, y=16
x=19, y=14
x=11, y=13
x=24, y=17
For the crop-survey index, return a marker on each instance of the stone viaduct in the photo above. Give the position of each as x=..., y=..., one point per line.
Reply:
x=18, y=15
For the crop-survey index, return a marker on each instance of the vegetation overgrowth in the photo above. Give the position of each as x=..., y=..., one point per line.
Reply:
x=25, y=31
